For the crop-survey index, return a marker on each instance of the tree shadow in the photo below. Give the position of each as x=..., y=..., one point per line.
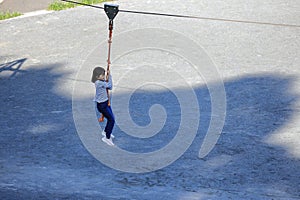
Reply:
x=13, y=67
x=242, y=160
x=37, y=130
x=42, y=154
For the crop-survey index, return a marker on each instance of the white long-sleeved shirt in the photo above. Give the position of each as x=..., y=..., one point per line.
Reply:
x=101, y=86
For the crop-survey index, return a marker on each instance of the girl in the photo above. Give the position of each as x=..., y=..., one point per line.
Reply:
x=101, y=98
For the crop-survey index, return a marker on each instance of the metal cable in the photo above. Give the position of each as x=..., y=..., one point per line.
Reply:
x=191, y=17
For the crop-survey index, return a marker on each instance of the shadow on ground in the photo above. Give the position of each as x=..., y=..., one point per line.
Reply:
x=42, y=156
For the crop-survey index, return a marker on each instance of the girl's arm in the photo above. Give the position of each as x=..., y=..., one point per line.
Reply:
x=109, y=84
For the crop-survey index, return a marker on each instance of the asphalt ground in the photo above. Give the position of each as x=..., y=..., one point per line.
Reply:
x=24, y=6
x=46, y=58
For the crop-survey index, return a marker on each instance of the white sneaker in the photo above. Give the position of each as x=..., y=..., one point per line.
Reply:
x=104, y=135
x=108, y=141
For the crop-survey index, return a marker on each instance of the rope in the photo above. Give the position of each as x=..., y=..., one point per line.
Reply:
x=101, y=119
x=192, y=17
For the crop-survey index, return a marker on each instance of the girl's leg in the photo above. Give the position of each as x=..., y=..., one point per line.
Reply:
x=110, y=121
x=108, y=114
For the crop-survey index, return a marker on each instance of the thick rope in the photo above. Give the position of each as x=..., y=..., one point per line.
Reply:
x=101, y=119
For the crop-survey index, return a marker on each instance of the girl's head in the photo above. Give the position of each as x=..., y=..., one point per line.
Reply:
x=98, y=74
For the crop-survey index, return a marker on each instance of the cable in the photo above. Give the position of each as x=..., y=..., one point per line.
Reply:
x=83, y=4
x=191, y=17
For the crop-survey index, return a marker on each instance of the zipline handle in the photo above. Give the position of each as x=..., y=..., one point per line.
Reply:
x=111, y=10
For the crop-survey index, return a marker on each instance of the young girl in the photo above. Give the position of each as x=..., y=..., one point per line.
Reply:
x=101, y=98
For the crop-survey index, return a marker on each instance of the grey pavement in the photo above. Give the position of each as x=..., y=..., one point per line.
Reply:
x=24, y=6
x=44, y=57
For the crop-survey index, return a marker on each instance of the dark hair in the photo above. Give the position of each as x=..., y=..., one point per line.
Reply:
x=96, y=72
